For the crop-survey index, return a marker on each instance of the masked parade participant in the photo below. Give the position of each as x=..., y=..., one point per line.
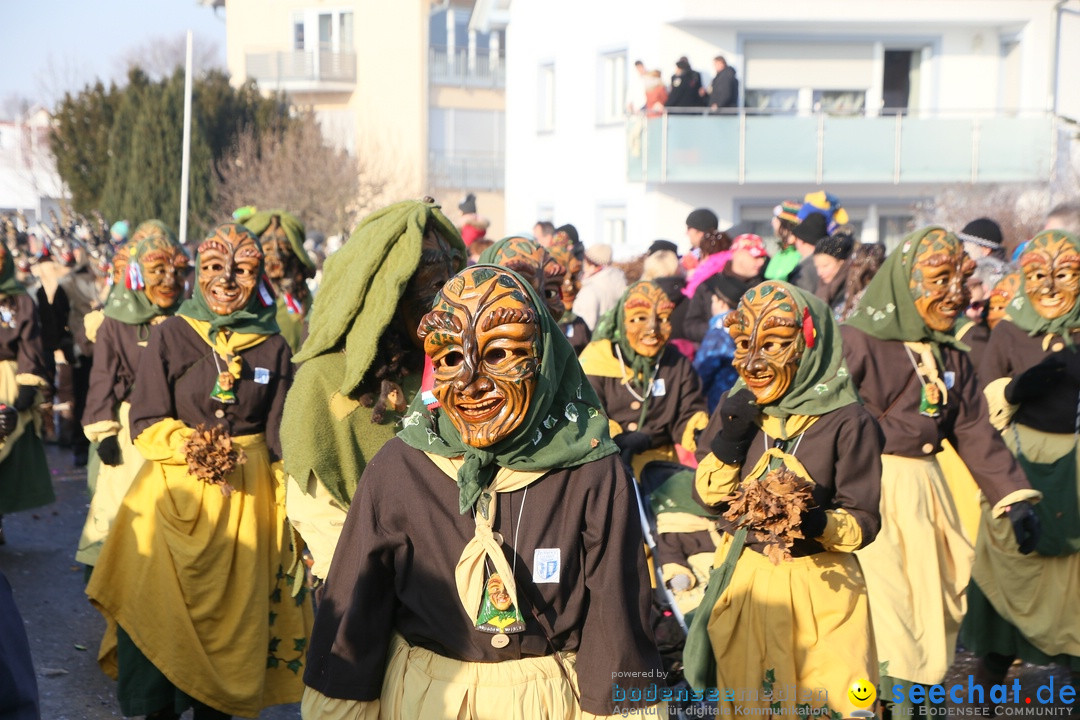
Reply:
x=151, y=290
x=491, y=563
x=1024, y=605
x=793, y=469
x=288, y=267
x=362, y=361
x=25, y=482
x=196, y=568
x=647, y=388
x=1000, y=297
x=571, y=256
x=916, y=379
x=531, y=261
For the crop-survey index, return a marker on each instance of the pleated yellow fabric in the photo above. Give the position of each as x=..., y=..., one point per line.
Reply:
x=916, y=570
x=788, y=625
x=421, y=685
x=196, y=577
x=965, y=493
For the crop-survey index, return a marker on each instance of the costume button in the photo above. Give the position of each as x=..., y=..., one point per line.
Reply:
x=928, y=448
x=635, y=405
x=631, y=427
x=219, y=413
x=1057, y=347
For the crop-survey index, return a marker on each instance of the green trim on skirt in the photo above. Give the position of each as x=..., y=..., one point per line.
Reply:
x=25, y=481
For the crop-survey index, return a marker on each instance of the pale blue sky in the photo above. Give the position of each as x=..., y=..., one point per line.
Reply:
x=55, y=45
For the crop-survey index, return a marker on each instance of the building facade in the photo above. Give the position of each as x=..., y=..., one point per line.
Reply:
x=29, y=182
x=882, y=103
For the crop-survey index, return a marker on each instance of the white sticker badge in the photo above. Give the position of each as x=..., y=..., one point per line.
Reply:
x=546, y=562
x=950, y=379
x=659, y=389
x=262, y=376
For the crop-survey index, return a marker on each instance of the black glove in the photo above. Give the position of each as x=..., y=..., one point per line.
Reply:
x=632, y=443
x=9, y=418
x=813, y=521
x=738, y=412
x=1036, y=381
x=1026, y=526
x=109, y=451
x=27, y=395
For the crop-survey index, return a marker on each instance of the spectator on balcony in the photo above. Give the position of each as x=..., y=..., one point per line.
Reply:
x=601, y=287
x=724, y=90
x=685, y=87
x=544, y=232
x=656, y=95
x=637, y=89
x=807, y=234
x=982, y=238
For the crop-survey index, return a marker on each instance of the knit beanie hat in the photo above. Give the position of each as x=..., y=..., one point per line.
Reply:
x=839, y=245
x=812, y=229
x=984, y=232
x=702, y=219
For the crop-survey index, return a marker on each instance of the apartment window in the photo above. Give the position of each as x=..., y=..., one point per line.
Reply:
x=613, y=225
x=298, y=33
x=545, y=105
x=774, y=102
x=334, y=31
x=612, y=83
x=840, y=102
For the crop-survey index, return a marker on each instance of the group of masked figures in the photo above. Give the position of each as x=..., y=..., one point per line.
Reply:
x=473, y=493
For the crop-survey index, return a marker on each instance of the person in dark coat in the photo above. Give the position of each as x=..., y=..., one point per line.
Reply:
x=685, y=87
x=724, y=89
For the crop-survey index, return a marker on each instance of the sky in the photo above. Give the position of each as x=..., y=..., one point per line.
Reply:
x=57, y=45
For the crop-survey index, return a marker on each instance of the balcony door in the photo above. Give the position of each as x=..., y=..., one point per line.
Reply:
x=901, y=69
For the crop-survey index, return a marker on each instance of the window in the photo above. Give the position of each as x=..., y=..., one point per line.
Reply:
x=613, y=226
x=773, y=102
x=545, y=104
x=334, y=31
x=840, y=102
x=612, y=84
x=298, y=33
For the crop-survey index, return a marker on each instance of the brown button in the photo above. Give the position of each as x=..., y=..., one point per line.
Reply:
x=219, y=413
x=631, y=427
x=1057, y=347
x=635, y=405
x=928, y=448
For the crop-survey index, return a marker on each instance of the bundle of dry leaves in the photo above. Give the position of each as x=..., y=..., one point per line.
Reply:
x=212, y=456
x=773, y=508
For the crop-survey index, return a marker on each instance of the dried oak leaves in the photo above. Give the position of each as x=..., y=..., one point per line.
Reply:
x=771, y=508
x=212, y=456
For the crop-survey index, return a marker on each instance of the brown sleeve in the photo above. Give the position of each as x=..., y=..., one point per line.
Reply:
x=283, y=376
x=152, y=396
x=691, y=401
x=30, y=359
x=995, y=358
x=993, y=467
x=858, y=473
x=101, y=400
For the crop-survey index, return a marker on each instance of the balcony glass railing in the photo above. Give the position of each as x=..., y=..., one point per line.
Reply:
x=460, y=68
x=302, y=67
x=466, y=171
x=747, y=148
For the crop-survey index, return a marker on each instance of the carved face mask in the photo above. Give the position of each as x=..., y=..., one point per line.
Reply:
x=1051, y=267
x=769, y=341
x=532, y=262
x=939, y=279
x=164, y=267
x=230, y=262
x=437, y=264
x=647, y=319
x=120, y=262
x=1001, y=296
x=280, y=261
x=571, y=284
x=482, y=338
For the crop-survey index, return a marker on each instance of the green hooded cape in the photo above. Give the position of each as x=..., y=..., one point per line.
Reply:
x=131, y=306
x=1023, y=314
x=564, y=425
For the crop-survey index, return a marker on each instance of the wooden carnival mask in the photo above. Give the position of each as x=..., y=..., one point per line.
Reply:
x=280, y=262
x=769, y=341
x=437, y=264
x=1051, y=268
x=482, y=338
x=647, y=319
x=939, y=279
x=164, y=268
x=532, y=262
x=120, y=262
x=230, y=262
x=563, y=253
x=1001, y=296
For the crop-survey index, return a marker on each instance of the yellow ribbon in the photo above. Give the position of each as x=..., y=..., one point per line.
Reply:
x=485, y=543
x=228, y=345
x=788, y=429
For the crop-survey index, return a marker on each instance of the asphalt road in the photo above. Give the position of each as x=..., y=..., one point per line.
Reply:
x=64, y=630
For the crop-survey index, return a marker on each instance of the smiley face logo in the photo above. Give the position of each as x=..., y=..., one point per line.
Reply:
x=862, y=693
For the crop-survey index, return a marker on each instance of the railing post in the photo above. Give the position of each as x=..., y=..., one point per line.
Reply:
x=664, y=147
x=820, y=146
x=897, y=145
x=742, y=146
x=975, y=127
x=644, y=130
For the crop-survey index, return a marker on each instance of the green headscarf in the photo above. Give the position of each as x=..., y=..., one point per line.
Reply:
x=1023, y=314
x=494, y=255
x=887, y=309
x=255, y=318
x=9, y=286
x=130, y=305
x=363, y=282
x=564, y=425
x=294, y=230
x=612, y=326
x=822, y=383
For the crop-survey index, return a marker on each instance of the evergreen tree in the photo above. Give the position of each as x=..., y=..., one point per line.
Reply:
x=79, y=140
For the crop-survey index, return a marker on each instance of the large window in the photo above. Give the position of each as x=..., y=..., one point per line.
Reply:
x=466, y=148
x=545, y=101
x=612, y=88
x=613, y=225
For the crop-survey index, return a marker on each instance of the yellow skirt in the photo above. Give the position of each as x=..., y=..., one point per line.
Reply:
x=1036, y=593
x=965, y=493
x=112, y=485
x=917, y=571
x=196, y=579
x=800, y=629
x=421, y=685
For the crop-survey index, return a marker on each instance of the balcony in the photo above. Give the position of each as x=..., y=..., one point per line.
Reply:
x=303, y=70
x=481, y=69
x=466, y=171
x=746, y=148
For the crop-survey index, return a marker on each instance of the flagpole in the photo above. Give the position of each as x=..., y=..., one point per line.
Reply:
x=186, y=161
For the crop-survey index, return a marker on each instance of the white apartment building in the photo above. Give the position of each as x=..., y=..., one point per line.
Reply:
x=881, y=102
x=28, y=179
